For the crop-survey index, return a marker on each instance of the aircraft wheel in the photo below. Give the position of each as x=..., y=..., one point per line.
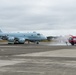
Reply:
x=37, y=42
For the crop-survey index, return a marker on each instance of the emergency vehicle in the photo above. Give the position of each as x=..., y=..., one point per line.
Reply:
x=72, y=40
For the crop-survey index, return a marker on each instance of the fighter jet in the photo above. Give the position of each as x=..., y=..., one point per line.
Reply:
x=21, y=38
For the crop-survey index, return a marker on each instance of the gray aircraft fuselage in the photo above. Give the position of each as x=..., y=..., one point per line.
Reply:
x=22, y=37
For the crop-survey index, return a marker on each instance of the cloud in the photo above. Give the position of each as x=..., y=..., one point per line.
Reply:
x=37, y=14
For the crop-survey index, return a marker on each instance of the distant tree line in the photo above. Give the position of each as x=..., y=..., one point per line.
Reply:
x=49, y=38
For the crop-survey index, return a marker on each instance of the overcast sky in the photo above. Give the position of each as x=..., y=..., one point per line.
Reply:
x=23, y=15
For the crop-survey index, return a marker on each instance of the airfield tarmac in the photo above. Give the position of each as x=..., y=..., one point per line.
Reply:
x=42, y=59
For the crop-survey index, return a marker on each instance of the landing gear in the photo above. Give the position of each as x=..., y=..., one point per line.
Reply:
x=17, y=41
x=37, y=42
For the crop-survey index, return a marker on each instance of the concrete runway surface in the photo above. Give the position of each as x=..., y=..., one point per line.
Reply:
x=42, y=59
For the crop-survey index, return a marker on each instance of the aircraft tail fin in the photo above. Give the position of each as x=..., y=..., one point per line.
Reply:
x=0, y=31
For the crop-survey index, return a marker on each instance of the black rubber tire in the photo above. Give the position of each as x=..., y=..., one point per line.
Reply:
x=72, y=43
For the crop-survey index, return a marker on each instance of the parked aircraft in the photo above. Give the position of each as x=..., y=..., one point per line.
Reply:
x=21, y=38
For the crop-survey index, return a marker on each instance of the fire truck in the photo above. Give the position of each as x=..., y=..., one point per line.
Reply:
x=72, y=40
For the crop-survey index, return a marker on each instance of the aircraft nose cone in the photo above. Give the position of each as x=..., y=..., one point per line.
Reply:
x=44, y=38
